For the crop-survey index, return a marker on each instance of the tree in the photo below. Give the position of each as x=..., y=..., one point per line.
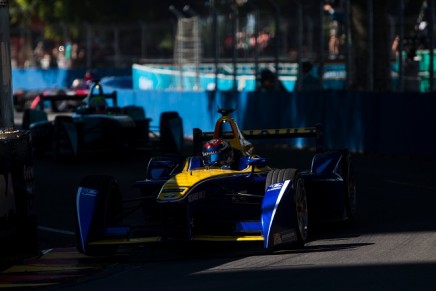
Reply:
x=50, y=13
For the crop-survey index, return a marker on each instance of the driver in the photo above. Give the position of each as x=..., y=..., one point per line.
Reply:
x=98, y=104
x=217, y=152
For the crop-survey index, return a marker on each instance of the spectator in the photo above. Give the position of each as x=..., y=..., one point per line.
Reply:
x=308, y=81
x=53, y=58
x=411, y=69
x=336, y=19
x=270, y=82
x=38, y=54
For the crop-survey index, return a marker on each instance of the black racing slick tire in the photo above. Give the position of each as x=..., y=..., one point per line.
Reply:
x=299, y=210
x=350, y=184
x=279, y=175
x=107, y=213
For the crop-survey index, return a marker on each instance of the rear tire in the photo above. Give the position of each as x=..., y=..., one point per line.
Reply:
x=350, y=184
x=302, y=214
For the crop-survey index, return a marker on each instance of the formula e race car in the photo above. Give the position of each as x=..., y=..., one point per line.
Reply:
x=61, y=99
x=224, y=192
x=97, y=124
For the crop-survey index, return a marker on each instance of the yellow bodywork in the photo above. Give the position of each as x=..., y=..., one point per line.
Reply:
x=177, y=187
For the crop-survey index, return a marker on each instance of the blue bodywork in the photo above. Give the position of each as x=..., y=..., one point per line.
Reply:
x=184, y=200
x=193, y=216
x=86, y=203
x=277, y=226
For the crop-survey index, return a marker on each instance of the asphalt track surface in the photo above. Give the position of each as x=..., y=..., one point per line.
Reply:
x=390, y=246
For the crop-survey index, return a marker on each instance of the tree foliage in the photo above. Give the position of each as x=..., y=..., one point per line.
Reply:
x=50, y=13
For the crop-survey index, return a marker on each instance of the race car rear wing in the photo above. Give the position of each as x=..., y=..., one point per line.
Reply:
x=79, y=97
x=278, y=133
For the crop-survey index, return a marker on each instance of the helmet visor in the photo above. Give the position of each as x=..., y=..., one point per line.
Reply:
x=210, y=159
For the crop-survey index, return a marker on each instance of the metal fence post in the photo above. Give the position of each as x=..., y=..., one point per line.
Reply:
x=400, y=45
x=276, y=38
x=348, y=43
x=234, y=15
x=370, y=12
x=431, y=48
x=88, y=45
x=216, y=47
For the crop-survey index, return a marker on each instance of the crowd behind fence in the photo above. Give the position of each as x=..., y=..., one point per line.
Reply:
x=316, y=36
x=259, y=34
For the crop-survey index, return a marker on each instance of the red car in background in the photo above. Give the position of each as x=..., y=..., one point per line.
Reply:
x=31, y=99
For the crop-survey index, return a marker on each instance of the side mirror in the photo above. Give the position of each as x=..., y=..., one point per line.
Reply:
x=162, y=168
x=257, y=162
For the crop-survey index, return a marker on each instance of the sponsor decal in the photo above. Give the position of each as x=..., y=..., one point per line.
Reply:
x=275, y=186
x=284, y=237
x=277, y=239
x=88, y=192
x=279, y=131
x=196, y=196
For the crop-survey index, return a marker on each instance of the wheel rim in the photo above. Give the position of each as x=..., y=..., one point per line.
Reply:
x=301, y=208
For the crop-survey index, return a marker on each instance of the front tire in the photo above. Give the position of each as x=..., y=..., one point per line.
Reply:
x=350, y=184
x=298, y=210
x=106, y=213
x=301, y=211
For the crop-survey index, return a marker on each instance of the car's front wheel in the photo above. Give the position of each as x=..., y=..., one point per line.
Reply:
x=294, y=203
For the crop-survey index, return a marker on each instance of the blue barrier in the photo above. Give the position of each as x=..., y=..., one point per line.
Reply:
x=383, y=123
x=41, y=79
x=158, y=77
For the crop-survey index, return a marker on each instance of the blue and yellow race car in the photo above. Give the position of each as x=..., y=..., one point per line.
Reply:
x=223, y=192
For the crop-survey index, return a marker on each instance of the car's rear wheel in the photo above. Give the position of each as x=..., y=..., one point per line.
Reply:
x=300, y=199
x=350, y=184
